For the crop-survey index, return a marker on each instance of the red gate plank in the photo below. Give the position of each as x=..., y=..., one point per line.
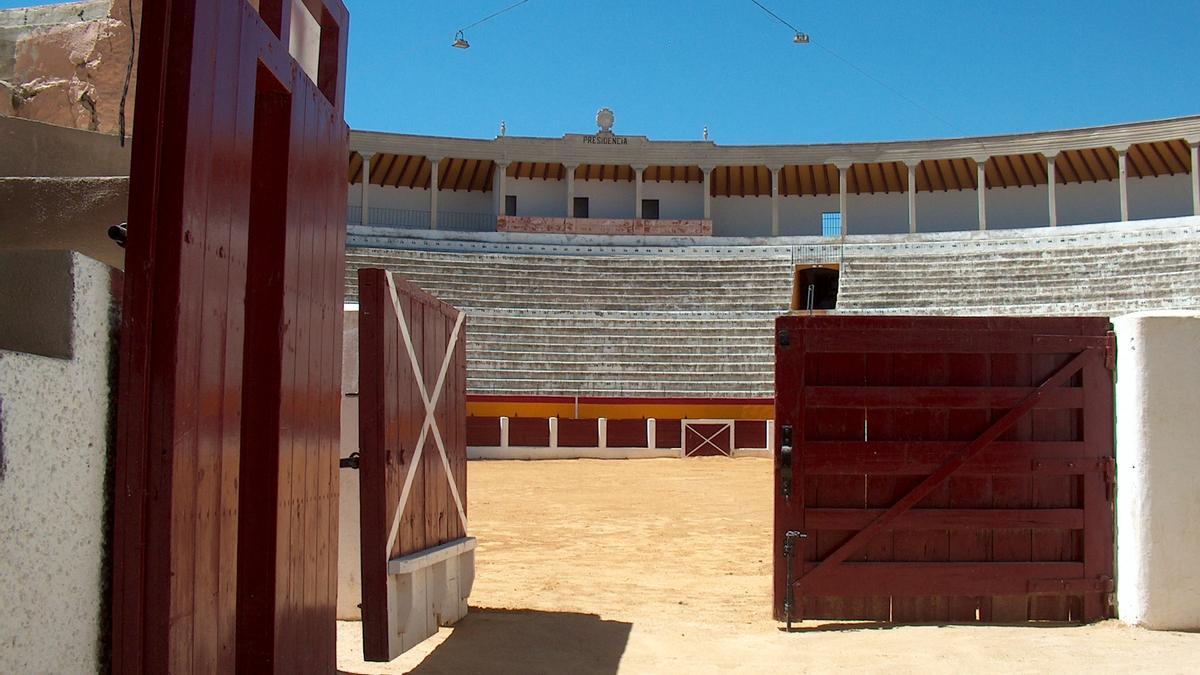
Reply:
x=984, y=526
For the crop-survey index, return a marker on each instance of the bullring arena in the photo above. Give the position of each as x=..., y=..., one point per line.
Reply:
x=331, y=400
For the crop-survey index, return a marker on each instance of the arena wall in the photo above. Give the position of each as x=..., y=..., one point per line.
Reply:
x=56, y=416
x=1158, y=460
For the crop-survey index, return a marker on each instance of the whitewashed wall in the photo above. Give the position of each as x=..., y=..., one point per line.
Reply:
x=1158, y=460
x=55, y=417
x=1008, y=208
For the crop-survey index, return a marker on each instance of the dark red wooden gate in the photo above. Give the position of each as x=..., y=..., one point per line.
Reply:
x=225, y=533
x=413, y=478
x=943, y=469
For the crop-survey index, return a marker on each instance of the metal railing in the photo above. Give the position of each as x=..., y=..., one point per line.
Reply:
x=416, y=219
x=818, y=254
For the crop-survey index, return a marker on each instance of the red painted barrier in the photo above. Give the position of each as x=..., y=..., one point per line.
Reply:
x=413, y=477
x=483, y=432
x=626, y=434
x=578, y=433
x=944, y=469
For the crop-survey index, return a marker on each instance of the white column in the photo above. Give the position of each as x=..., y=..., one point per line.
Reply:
x=651, y=433
x=1051, y=187
x=981, y=189
x=433, y=191
x=912, y=196
x=1122, y=175
x=366, y=193
x=771, y=436
x=707, y=191
x=501, y=186
x=553, y=432
x=569, y=169
x=774, y=200
x=842, y=168
x=602, y=432
x=1195, y=176
x=504, y=432
x=637, y=191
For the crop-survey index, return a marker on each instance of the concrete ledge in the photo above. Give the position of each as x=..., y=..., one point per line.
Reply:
x=408, y=564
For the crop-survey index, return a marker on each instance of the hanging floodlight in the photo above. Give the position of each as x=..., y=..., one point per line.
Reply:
x=461, y=43
x=801, y=38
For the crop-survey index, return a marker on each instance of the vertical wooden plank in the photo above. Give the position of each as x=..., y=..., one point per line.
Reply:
x=974, y=492
x=1051, y=492
x=1011, y=492
x=1097, y=494
x=922, y=424
x=375, y=362
x=882, y=491
x=836, y=491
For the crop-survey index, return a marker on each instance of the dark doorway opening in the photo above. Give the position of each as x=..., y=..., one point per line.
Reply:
x=815, y=287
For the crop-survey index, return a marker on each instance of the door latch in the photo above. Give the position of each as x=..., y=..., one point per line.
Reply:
x=351, y=462
x=785, y=461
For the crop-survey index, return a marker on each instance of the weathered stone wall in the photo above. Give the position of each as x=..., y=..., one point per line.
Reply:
x=66, y=64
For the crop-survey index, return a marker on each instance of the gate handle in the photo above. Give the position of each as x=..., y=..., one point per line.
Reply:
x=350, y=462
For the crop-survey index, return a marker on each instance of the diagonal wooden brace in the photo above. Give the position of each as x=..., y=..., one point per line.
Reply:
x=952, y=464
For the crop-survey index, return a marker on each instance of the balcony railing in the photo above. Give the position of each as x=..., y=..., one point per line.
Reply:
x=818, y=254
x=415, y=219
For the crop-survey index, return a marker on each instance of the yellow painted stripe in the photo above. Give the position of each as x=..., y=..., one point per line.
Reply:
x=616, y=411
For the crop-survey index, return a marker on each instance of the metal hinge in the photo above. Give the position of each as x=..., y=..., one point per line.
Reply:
x=351, y=462
x=1110, y=478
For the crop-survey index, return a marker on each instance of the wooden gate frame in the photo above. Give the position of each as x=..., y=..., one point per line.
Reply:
x=227, y=429
x=416, y=572
x=1093, y=355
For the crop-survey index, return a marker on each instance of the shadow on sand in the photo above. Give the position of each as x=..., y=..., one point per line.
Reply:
x=528, y=641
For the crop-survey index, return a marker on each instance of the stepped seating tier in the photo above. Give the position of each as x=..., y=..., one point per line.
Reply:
x=683, y=318
x=1092, y=279
x=608, y=326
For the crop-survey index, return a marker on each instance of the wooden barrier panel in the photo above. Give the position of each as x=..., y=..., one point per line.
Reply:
x=225, y=504
x=417, y=565
x=943, y=469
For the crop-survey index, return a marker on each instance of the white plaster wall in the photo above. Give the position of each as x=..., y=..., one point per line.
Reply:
x=54, y=431
x=349, y=541
x=801, y=216
x=1008, y=208
x=606, y=198
x=676, y=201
x=538, y=197
x=1158, y=461
x=742, y=216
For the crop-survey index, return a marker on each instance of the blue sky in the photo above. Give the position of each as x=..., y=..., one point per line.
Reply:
x=670, y=67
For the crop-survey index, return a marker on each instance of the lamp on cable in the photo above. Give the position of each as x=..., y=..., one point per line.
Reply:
x=460, y=42
x=801, y=38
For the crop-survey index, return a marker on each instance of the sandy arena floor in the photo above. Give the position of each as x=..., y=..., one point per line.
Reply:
x=662, y=566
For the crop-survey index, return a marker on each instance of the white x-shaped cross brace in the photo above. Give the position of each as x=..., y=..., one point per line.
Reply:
x=430, y=421
x=708, y=440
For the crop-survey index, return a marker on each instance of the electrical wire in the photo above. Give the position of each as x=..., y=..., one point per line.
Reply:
x=494, y=15
x=128, y=75
x=861, y=71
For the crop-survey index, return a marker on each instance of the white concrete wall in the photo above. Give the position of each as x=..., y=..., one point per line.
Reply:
x=607, y=198
x=349, y=595
x=676, y=201
x=1008, y=208
x=538, y=197
x=55, y=418
x=1158, y=462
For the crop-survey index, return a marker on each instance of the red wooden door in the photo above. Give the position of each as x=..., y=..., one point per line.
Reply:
x=413, y=445
x=943, y=469
x=225, y=532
